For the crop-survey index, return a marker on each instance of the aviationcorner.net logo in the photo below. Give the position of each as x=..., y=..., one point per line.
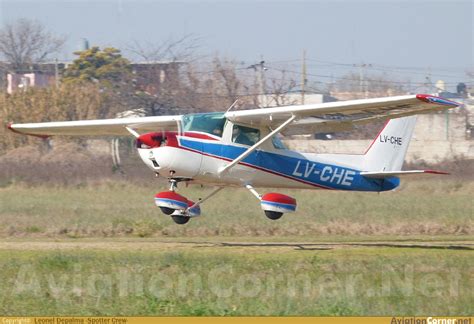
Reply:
x=431, y=320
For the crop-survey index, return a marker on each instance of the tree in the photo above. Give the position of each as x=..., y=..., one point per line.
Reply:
x=67, y=102
x=106, y=67
x=171, y=49
x=27, y=42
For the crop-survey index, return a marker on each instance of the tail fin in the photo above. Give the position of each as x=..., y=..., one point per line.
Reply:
x=387, y=151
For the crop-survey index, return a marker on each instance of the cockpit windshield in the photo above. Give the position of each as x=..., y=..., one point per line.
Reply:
x=210, y=123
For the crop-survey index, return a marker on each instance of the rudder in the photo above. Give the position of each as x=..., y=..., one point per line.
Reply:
x=387, y=151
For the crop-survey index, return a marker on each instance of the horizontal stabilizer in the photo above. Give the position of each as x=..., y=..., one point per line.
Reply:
x=387, y=174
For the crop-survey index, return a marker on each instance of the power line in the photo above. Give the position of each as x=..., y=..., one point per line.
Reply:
x=348, y=78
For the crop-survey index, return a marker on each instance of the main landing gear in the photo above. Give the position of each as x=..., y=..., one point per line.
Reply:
x=179, y=207
x=274, y=204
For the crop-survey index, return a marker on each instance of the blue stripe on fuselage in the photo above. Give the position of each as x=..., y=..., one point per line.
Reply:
x=313, y=173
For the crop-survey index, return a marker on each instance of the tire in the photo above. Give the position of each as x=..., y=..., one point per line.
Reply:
x=181, y=219
x=167, y=211
x=273, y=215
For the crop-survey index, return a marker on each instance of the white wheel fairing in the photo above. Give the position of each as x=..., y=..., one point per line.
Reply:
x=170, y=203
x=193, y=212
x=180, y=204
x=277, y=207
x=277, y=202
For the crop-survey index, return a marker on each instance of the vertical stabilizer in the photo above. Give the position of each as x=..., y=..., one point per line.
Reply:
x=387, y=151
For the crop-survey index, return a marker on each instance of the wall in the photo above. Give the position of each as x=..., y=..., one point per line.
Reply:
x=437, y=137
x=427, y=151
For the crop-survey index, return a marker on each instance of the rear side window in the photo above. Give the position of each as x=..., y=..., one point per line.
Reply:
x=245, y=135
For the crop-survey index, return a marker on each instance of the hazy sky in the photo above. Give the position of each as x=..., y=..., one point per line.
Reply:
x=405, y=37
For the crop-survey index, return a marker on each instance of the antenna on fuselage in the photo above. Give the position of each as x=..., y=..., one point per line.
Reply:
x=232, y=106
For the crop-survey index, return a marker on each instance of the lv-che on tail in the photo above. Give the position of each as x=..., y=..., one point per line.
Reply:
x=385, y=156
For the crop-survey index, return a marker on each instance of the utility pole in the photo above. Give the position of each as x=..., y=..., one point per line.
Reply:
x=363, y=84
x=303, y=77
x=260, y=69
x=56, y=73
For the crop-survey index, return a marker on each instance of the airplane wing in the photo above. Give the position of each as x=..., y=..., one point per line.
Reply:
x=341, y=115
x=326, y=117
x=115, y=126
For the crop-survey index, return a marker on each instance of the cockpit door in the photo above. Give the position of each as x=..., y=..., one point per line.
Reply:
x=202, y=133
x=236, y=140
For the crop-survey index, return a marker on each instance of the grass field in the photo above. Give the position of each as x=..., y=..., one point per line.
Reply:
x=429, y=207
x=201, y=279
x=105, y=249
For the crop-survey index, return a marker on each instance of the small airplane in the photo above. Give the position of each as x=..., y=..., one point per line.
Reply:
x=242, y=148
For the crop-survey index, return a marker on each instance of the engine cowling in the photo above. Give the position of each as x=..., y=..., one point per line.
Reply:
x=278, y=203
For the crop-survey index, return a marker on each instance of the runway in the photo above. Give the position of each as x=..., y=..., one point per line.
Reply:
x=157, y=245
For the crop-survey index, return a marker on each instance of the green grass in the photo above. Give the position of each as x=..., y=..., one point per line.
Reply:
x=107, y=250
x=214, y=281
x=427, y=207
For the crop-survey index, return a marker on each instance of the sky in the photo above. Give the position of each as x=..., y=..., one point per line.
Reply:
x=409, y=39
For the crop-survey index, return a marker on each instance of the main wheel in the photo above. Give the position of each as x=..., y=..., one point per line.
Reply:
x=180, y=219
x=167, y=211
x=273, y=215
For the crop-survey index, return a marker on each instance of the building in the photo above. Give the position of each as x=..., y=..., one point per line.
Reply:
x=148, y=76
x=294, y=98
x=39, y=75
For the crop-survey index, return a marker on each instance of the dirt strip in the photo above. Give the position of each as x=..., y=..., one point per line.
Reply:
x=137, y=245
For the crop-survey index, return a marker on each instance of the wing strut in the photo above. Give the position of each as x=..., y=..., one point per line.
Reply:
x=256, y=145
x=200, y=201
x=133, y=132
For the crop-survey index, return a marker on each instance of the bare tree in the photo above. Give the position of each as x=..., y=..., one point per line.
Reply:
x=26, y=42
x=280, y=89
x=172, y=49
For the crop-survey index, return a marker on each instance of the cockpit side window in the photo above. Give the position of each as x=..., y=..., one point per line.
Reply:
x=245, y=135
x=210, y=123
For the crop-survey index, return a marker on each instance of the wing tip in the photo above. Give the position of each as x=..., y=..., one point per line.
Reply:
x=437, y=100
x=436, y=172
x=10, y=127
